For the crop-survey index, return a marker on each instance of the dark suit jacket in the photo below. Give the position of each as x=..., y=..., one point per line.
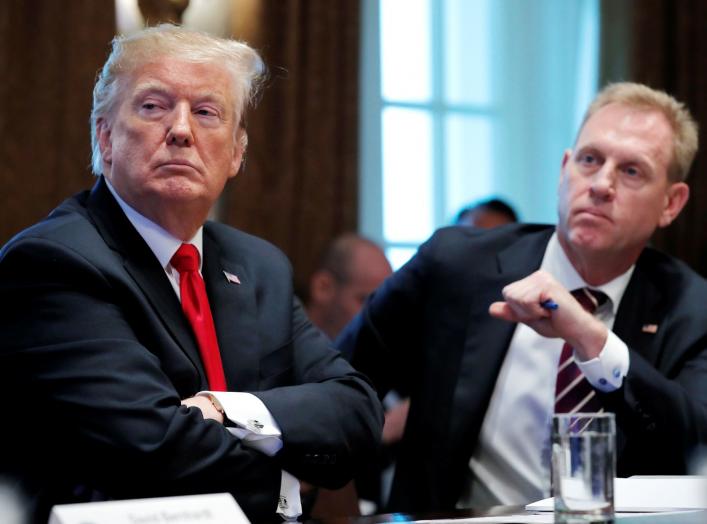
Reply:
x=427, y=332
x=96, y=355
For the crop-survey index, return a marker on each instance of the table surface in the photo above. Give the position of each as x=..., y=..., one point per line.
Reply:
x=698, y=517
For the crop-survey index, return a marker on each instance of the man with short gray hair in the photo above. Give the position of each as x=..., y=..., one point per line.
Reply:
x=157, y=353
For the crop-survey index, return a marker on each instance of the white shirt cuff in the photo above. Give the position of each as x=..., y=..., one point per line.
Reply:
x=255, y=425
x=289, y=505
x=607, y=371
x=258, y=429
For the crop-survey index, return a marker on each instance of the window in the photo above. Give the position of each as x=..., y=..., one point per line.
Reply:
x=466, y=99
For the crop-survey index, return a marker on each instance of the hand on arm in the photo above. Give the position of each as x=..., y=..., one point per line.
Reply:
x=570, y=322
x=207, y=407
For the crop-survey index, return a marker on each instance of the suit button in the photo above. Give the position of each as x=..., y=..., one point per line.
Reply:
x=650, y=427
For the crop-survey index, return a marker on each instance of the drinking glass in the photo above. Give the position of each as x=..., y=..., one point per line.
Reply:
x=583, y=467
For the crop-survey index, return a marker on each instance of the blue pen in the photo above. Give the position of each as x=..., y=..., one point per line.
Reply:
x=549, y=304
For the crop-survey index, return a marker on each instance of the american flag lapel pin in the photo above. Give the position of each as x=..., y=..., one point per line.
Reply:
x=650, y=328
x=233, y=279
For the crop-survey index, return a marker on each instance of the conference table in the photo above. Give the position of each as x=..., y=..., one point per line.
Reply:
x=691, y=517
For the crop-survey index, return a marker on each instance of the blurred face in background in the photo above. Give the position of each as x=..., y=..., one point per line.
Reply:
x=336, y=299
x=485, y=218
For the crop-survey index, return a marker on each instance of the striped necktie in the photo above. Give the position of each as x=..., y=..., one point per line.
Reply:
x=573, y=392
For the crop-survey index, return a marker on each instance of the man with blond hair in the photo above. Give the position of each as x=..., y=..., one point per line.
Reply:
x=153, y=352
x=493, y=332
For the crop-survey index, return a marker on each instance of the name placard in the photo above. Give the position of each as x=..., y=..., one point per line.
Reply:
x=193, y=509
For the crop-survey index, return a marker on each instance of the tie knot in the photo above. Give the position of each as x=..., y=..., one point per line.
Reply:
x=186, y=258
x=591, y=299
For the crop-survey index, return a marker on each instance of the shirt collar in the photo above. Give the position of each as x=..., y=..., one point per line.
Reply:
x=160, y=241
x=556, y=263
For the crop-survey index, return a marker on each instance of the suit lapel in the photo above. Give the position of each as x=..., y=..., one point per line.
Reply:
x=487, y=338
x=641, y=312
x=233, y=308
x=142, y=265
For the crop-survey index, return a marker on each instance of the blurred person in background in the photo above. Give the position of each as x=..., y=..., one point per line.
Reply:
x=350, y=269
x=486, y=214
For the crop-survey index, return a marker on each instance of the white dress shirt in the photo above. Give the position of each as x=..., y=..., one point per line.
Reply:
x=511, y=463
x=254, y=424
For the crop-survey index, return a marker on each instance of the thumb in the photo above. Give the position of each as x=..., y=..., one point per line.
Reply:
x=502, y=311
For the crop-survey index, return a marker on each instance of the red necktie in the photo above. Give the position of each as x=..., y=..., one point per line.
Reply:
x=195, y=305
x=573, y=392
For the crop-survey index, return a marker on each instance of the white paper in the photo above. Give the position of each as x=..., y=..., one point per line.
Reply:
x=193, y=509
x=650, y=494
